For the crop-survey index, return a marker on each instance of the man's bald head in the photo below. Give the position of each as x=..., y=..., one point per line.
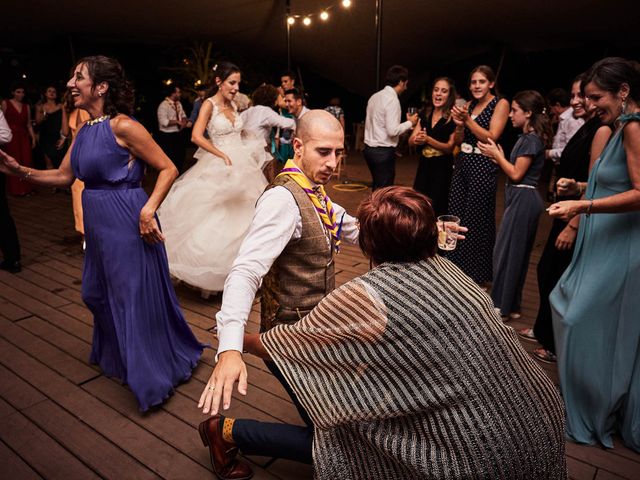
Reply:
x=318, y=145
x=314, y=123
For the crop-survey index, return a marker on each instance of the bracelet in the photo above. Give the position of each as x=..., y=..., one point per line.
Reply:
x=25, y=177
x=63, y=136
x=589, y=207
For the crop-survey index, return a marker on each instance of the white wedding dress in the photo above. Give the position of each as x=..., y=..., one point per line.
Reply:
x=208, y=210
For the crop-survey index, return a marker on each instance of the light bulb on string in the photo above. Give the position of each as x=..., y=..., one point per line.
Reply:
x=307, y=21
x=346, y=3
x=324, y=16
x=291, y=20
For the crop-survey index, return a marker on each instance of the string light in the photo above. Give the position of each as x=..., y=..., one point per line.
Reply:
x=323, y=14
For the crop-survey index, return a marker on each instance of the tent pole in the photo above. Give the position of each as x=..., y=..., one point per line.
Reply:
x=286, y=22
x=378, y=41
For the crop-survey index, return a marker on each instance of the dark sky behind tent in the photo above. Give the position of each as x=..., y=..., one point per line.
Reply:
x=539, y=44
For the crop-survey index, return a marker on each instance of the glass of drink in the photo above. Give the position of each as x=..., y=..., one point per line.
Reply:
x=448, y=232
x=412, y=110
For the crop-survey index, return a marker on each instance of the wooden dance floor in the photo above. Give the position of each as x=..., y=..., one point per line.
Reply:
x=60, y=418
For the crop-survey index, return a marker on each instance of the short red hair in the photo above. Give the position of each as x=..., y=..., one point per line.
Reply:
x=397, y=224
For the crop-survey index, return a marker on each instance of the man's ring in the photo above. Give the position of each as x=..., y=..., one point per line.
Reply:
x=211, y=387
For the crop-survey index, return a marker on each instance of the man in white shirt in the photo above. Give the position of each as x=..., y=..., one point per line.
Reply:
x=294, y=101
x=9, y=244
x=276, y=225
x=289, y=251
x=568, y=125
x=171, y=121
x=287, y=81
x=383, y=128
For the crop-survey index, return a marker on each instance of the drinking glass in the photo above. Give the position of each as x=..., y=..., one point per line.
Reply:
x=448, y=232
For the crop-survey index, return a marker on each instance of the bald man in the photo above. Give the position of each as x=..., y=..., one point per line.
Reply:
x=289, y=251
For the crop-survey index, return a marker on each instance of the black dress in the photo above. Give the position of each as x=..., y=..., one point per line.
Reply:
x=473, y=200
x=433, y=177
x=574, y=163
x=50, y=135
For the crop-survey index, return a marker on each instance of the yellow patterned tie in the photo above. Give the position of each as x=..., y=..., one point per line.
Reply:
x=318, y=197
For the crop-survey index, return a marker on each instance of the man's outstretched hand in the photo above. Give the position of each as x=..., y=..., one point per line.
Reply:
x=229, y=369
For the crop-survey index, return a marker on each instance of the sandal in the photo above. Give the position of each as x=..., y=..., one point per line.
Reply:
x=545, y=355
x=527, y=334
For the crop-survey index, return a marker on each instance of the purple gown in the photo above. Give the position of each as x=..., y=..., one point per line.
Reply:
x=140, y=335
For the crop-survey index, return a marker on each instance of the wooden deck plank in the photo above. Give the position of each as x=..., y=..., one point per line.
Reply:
x=75, y=347
x=45, y=296
x=605, y=460
x=56, y=359
x=12, y=311
x=49, y=459
x=163, y=459
x=18, y=393
x=50, y=314
x=14, y=467
x=102, y=456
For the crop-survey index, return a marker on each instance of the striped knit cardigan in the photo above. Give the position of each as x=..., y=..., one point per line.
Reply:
x=408, y=373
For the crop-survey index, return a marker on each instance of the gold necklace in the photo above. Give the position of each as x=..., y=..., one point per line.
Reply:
x=97, y=120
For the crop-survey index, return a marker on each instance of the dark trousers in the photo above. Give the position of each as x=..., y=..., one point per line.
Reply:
x=173, y=146
x=278, y=440
x=433, y=178
x=8, y=235
x=382, y=165
x=552, y=265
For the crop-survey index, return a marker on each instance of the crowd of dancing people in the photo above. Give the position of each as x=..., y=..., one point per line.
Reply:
x=414, y=362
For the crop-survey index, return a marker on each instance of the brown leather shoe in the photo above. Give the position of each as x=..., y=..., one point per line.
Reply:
x=223, y=455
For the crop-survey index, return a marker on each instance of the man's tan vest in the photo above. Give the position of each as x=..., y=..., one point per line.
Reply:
x=304, y=272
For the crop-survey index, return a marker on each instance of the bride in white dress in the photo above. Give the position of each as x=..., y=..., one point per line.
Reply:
x=209, y=208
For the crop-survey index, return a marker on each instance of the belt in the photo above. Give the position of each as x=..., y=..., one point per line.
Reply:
x=468, y=148
x=429, y=152
x=521, y=185
x=113, y=186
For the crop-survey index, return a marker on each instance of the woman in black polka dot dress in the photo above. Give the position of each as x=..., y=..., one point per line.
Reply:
x=473, y=188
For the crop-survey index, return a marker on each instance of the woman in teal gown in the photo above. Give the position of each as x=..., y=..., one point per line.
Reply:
x=596, y=303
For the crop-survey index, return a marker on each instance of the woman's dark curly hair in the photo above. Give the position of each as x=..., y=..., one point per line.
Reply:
x=119, y=96
x=265, y=95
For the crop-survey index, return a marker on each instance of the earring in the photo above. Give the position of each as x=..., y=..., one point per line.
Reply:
x=624, y=105
x=99, y=94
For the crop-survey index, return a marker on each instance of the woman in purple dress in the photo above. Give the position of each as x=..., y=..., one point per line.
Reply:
x=140, y=335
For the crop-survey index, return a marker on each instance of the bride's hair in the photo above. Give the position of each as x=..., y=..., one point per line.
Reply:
x=222, y=71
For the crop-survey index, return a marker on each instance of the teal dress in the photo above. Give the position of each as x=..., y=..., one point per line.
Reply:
x=596, y=313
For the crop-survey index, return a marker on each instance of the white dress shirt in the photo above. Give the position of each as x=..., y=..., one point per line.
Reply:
x=169, y=110
x=568, y=125
x=5, y=131
x=260, y=120
x=302, y=112
x=382, y=126
x=275, y=223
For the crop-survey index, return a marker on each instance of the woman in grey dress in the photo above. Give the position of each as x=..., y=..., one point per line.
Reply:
x=523, y=204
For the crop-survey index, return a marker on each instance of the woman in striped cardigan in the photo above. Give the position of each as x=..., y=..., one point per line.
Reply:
x=407, y=371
